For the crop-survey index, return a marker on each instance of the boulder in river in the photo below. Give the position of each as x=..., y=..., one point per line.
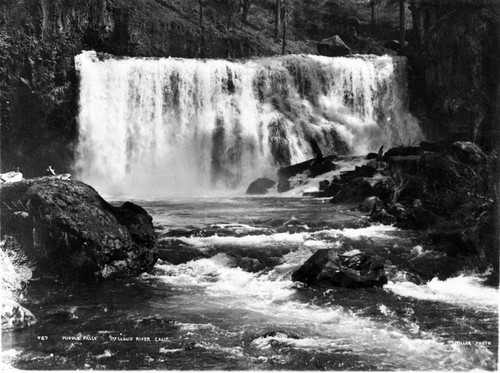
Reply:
x=368, y=204
x=260, y=186
x=327, y=268
x=67, y=229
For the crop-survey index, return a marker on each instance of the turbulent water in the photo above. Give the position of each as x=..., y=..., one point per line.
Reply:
x=225, y=300
x=178, y=126
x=221, y=297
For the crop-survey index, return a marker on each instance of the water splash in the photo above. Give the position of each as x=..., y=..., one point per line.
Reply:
x=175, y=126
x=463, y=290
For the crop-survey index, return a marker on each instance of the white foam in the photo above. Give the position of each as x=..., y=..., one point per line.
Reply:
x=149, y=126
x=322, y=328
x=462, y=290
x=319, y=239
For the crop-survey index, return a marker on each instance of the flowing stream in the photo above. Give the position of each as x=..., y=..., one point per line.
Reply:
x=183, y=138
x=226, y=300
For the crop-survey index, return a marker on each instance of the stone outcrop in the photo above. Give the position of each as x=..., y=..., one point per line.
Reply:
x=68, y=230
x=333, y=47
x=327, y=268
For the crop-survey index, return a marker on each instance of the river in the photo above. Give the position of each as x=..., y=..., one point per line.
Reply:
x=230, y=304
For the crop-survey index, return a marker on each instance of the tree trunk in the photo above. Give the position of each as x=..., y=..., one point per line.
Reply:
x=283, y=43
x=246, y=8
x=45, y=16
x=277, y=20
x=374, y=13
x=402, y=25
x=201, y=52
x=200, y=4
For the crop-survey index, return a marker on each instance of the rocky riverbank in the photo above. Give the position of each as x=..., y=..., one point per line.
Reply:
x=66, y=229
x=446, y=189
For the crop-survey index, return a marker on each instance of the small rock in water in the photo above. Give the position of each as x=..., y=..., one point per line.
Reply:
x=327, y=268
x=260, y=186
x=368, y=203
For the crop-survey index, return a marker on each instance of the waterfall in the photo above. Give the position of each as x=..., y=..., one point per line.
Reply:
x=166, y=126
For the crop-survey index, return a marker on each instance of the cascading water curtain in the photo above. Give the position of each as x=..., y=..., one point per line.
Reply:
x=169, y=126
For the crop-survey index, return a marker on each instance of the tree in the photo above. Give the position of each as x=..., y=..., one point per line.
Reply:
x=373, y=5
x=200, y=5
x=232, y=7
x=402, y=23
x=287, y=8
x=277, y=19
x=245, y=7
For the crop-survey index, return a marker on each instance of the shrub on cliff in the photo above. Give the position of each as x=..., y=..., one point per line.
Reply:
x=15, y=269
x=15, y=273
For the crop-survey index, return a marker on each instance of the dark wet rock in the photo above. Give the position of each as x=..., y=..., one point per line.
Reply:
x=260, y=186
x=249, y=264
x=333, y=47
x=397, y=210
x=314, y=167
x=332, y=189
x=156, y=322
x=370, y=156
x=438, y=147
x=394, y=44
x=402, y=151
x=74, y=233
x=359, y=171
x=184, y=233
x=368, y=203
x=315, y=194
x=280, y=334
x=414, y=187
x=15, y=316
x=416, y=216
x=435, y=264
x=383, y=189
x=353, y=192
x=138, y=223
x=486, y=240
x=284, y=186
x=382, y=216
x=190, y=345
x=451, y=238
x=323, y=184
x=326, y=268
x=181, y=254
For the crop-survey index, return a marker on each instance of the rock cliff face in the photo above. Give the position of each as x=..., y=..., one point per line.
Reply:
x=66, y=229
x=456, y=66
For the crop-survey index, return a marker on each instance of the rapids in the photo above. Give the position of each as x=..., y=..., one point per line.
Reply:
x=229, y=302
x=221, y=297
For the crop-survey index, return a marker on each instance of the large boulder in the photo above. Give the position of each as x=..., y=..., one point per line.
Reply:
x=327, y=268
x=67, y=229
x=313, y=167
x=260, y=186
x=333, y=47
x=353, y=192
